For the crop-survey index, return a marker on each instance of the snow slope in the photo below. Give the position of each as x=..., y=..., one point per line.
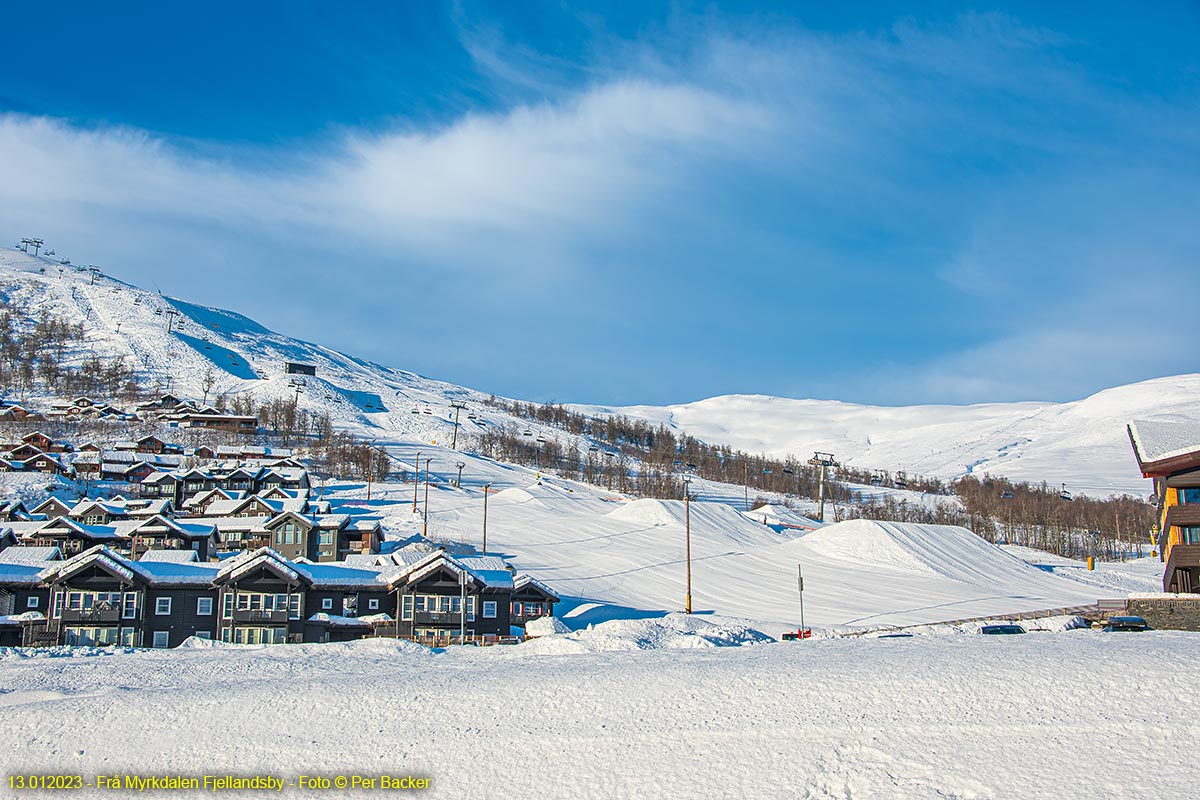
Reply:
x=1051, y=715
x=611, y=557
x=1082, y=443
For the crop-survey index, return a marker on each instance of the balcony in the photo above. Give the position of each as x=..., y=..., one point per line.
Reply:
x=99, y=613
x=260, y=616
x=440, y=617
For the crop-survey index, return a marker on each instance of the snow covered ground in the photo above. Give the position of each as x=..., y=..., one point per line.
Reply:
x=1050, y=715
x=611, y=557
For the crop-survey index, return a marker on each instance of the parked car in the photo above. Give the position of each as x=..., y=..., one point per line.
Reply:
x=1126, y=624
x=1001, y=630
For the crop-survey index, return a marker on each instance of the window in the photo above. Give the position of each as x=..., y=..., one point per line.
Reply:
x=203, y=634
x=326, y=537
x=129, y=606
x=489, y=609
x=1189, y=495
x=406, y=607
x=162, y=606
x=227, y=607
x=1189, y=535
x=326, y=603
x=373, y=604
x=204, y=606
x=32, y=602
x=162, y=638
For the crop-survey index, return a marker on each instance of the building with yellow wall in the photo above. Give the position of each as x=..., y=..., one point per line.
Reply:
x=1169, y=453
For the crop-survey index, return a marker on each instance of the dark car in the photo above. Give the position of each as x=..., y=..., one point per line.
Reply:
x=1126, y=624
x=1001, y=630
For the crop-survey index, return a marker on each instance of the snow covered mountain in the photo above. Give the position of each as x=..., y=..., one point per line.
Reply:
x=1081, y=443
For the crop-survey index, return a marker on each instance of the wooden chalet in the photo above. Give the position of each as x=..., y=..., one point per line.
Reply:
x=531, y=599
x=101, y=597
x=1169, y=453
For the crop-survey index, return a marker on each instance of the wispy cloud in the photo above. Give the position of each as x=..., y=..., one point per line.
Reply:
x=966, y=185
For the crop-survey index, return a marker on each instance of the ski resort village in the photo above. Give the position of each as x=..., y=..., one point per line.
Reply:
x=201, y=516
x=656, y=401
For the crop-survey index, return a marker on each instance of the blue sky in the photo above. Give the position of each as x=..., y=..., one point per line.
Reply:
x=648, y=204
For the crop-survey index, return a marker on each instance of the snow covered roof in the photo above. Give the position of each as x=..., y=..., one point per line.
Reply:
x=98, y=555
x=25, y=574
x=263, y=557
x=338, y=574
x=523, y=580
x=171, y=556
x=1155, y=441
x=176, y=572
x=30, y=556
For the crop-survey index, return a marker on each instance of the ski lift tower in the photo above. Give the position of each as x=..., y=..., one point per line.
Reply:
x=826, y=462
x=457, y=406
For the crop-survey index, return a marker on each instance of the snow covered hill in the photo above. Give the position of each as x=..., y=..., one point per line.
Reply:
x=1082, y=443
x=178, y=343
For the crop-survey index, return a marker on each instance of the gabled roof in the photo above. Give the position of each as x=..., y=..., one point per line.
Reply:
x=30, y=556
x=84, y=507
x=263, y=558
x=524, y=581
x=189, y=529
x=51, y=502
x=93, y=532
x=99, y=556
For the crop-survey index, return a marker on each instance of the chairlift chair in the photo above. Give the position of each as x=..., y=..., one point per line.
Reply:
x=1006, y=495
x=1064, y=494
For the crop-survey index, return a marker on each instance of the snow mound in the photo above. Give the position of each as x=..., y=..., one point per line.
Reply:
x=948, y=551
x=650, y=512
x=196, y=643
x=515, y=496
x=545, y=626
x=672, y=632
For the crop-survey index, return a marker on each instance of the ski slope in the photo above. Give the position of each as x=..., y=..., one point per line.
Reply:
x=1082, y=443
x=616, y=558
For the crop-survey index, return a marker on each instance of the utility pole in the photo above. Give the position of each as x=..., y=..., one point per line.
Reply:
x=687, y=515
x=800, y=586
x=458, y=481
x=457, y=408
x=487, y=487
x=36, y=244
x=825, y=461
x=416, y=481
x=425, y=523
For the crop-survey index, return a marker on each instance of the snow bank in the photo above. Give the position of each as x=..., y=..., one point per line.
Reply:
x=674, y=631
x=545, y=626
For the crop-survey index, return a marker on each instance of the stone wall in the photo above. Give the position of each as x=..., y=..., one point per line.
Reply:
x=1167, y=611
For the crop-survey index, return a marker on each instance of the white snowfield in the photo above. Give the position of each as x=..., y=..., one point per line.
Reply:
x=1083, y=443
x=1079, y=714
